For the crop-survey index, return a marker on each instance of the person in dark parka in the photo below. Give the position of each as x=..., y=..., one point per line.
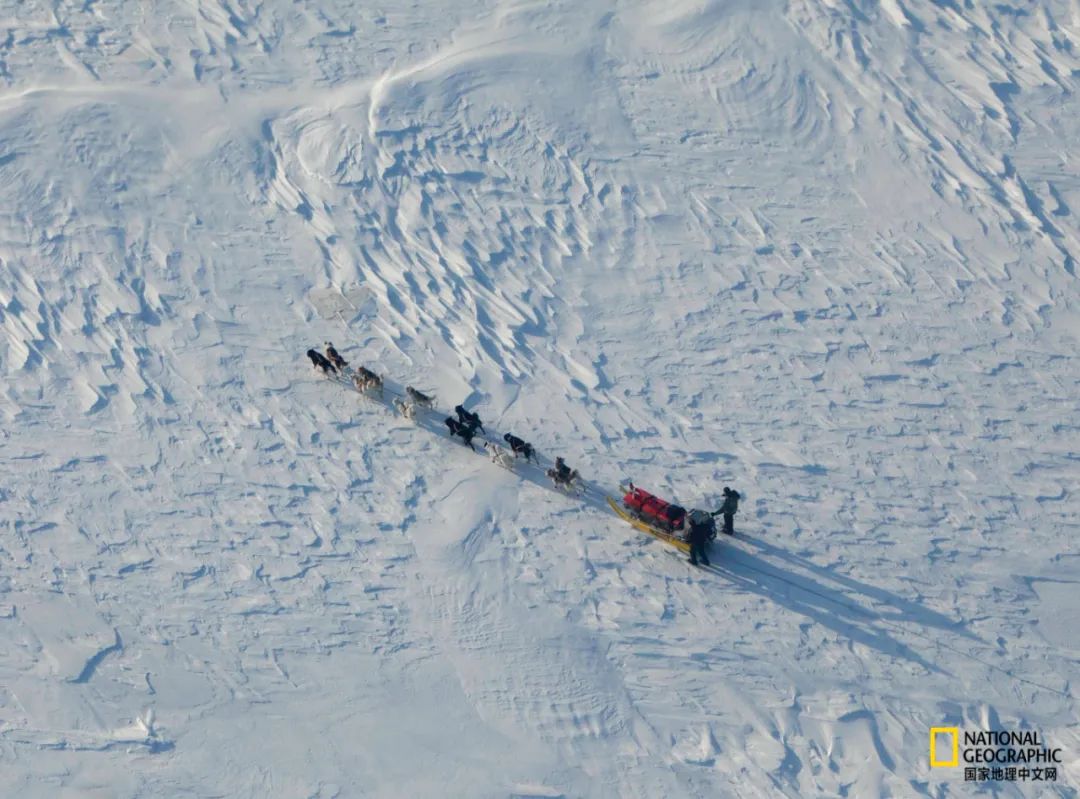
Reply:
x=729, y=509
x=698, y=537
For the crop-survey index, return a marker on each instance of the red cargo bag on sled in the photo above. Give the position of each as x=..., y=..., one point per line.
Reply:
x=655, y=508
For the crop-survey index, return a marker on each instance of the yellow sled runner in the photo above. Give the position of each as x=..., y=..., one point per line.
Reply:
x=668, y=538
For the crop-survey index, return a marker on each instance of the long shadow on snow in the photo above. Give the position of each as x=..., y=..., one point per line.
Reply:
x=815, y=601
x=905, y=609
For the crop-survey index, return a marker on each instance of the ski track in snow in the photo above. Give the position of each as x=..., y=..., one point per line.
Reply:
x=824, y=252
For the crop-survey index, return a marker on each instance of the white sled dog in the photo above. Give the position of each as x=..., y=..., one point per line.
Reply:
x=405, y=409
x=499, y=456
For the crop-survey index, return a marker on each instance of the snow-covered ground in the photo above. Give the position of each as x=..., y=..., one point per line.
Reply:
x=824, y=252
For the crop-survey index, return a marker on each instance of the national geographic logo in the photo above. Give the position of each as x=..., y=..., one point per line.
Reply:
x=994, y=755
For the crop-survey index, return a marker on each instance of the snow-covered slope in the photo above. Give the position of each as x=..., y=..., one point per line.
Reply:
x=823, y=252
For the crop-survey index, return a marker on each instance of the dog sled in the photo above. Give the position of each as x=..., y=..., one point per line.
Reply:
x=658, y=517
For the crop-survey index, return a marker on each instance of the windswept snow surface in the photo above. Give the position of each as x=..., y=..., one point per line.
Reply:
x=824, y=252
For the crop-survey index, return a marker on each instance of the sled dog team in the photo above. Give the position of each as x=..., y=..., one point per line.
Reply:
x=468, y=422
x=464, y=426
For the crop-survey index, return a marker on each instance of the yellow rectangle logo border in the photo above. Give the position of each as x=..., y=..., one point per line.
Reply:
x=955, y=733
